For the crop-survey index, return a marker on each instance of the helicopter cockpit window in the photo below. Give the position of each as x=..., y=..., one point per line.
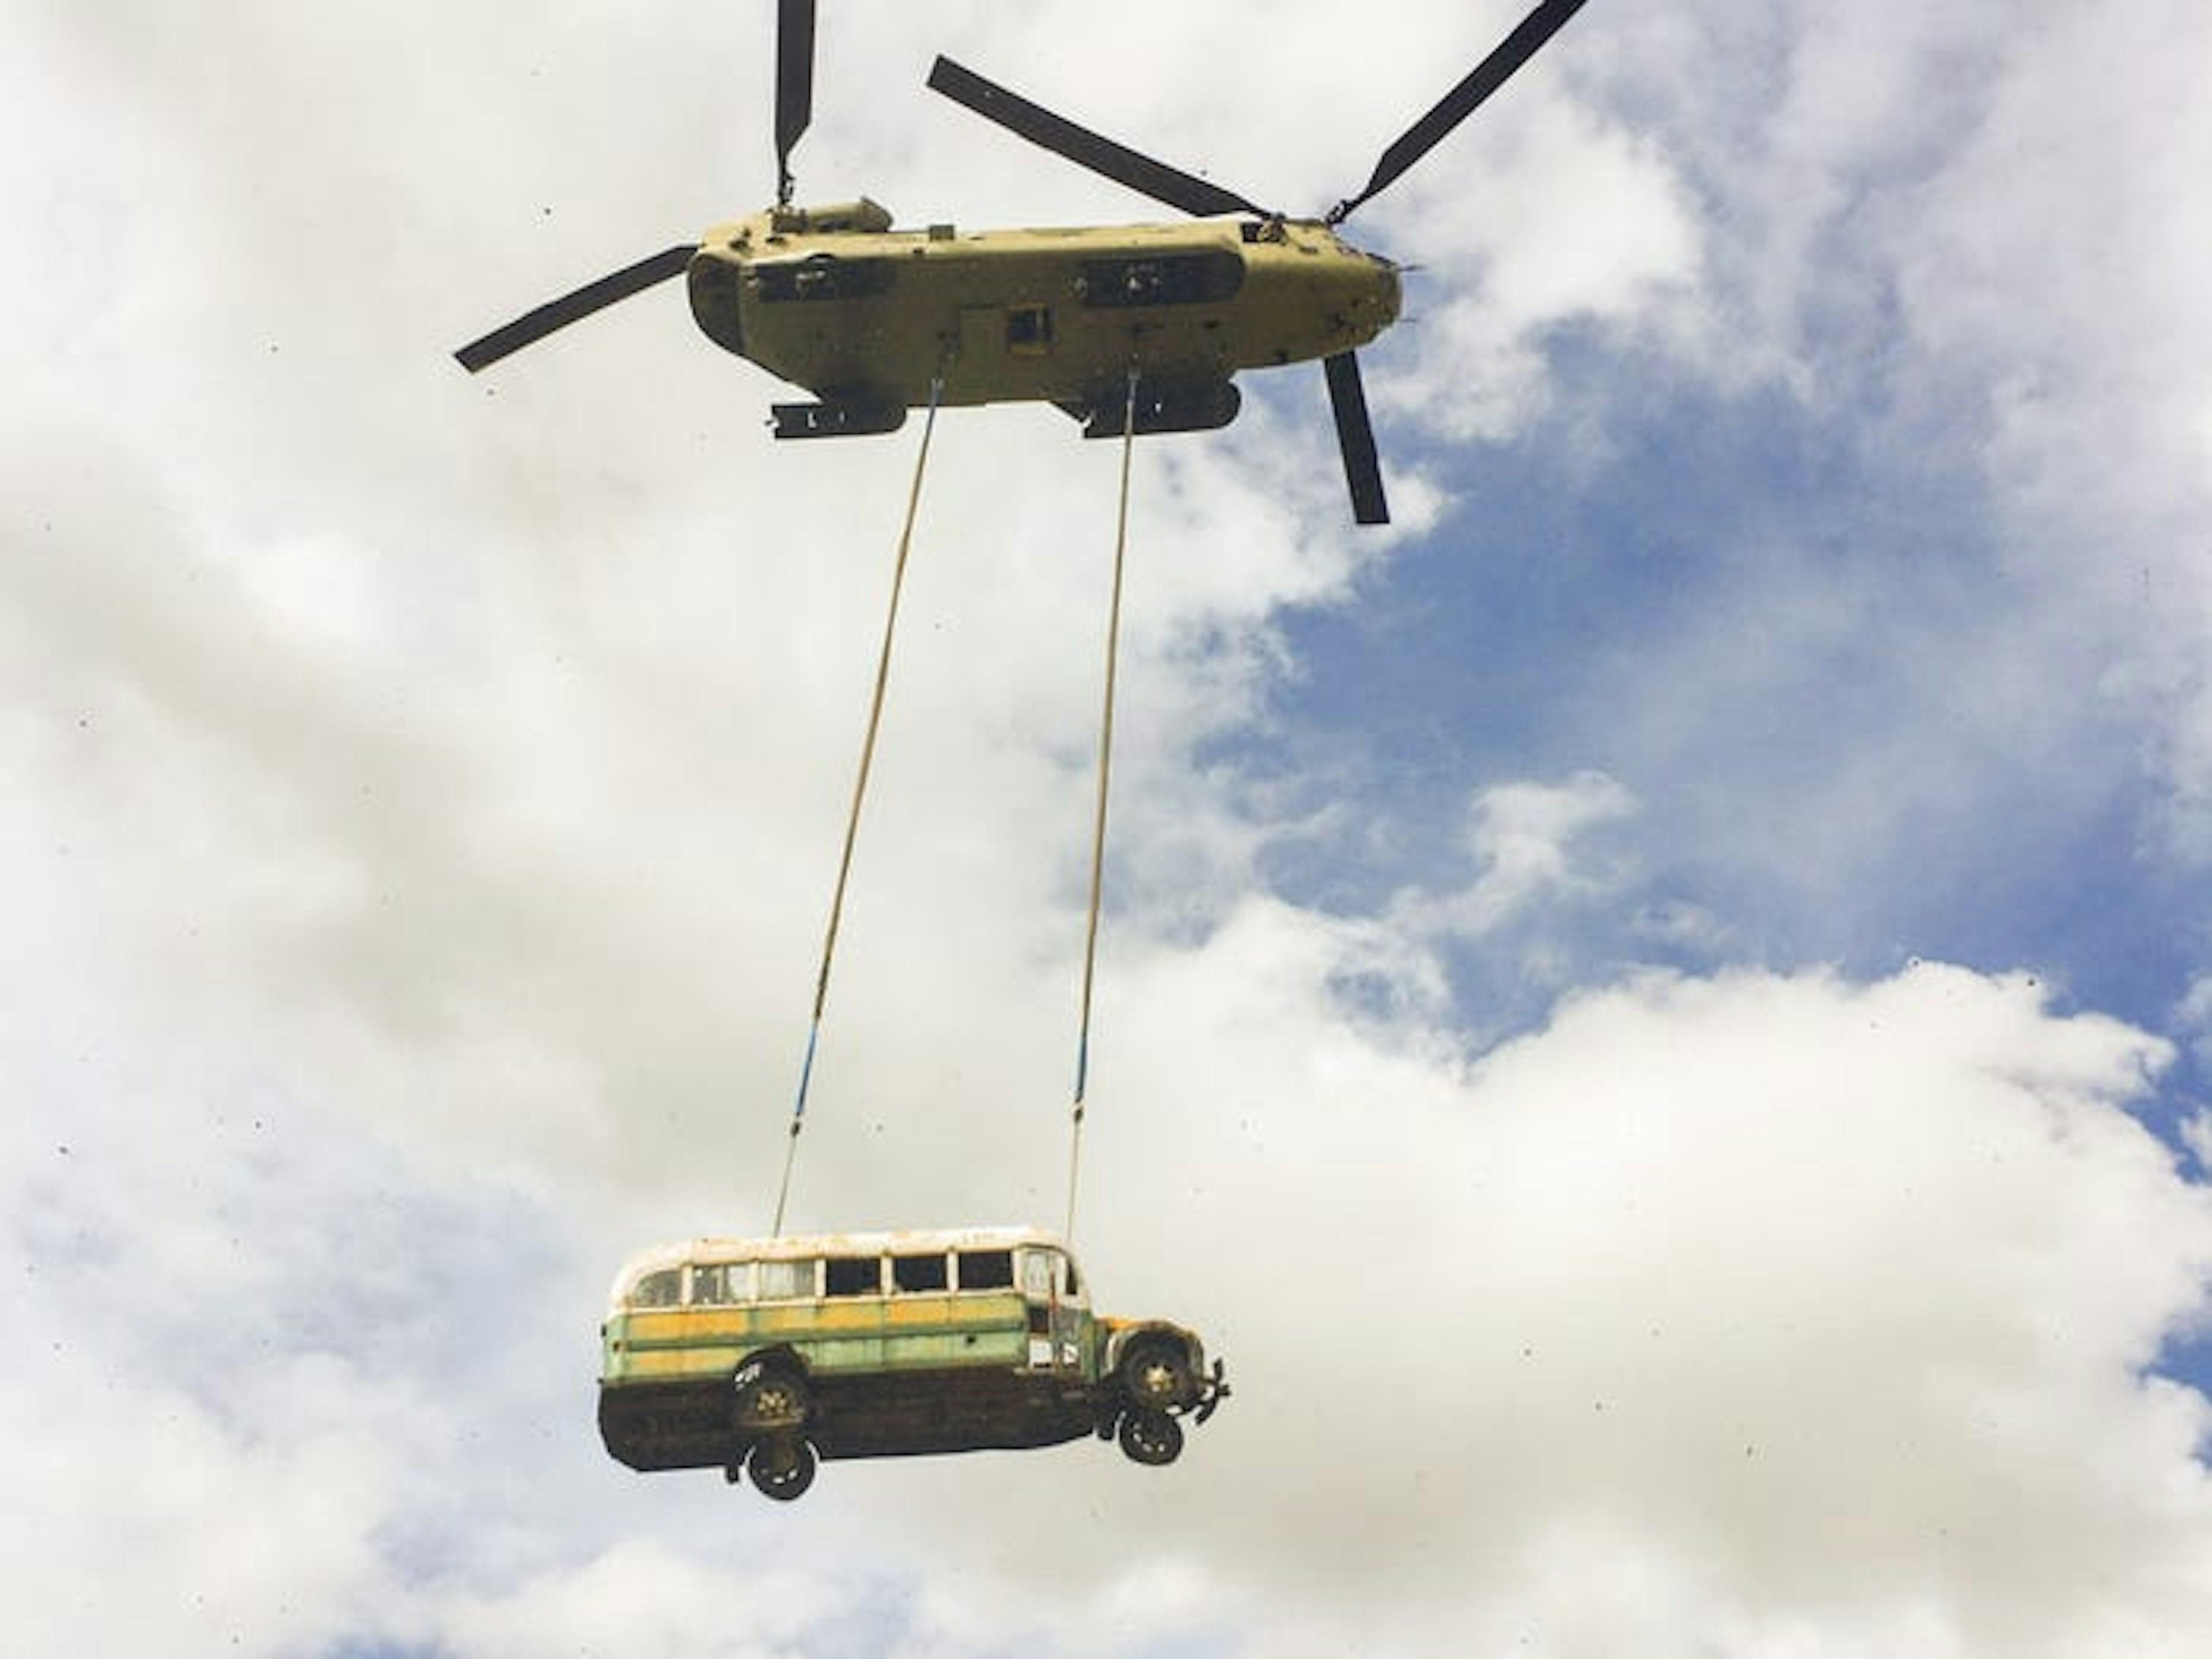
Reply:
x=787, y=1281
x=661, y=1289
x=986, y=1270
x=918, y=1272
x=854, y=1275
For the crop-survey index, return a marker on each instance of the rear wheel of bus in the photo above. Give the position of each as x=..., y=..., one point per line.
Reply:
x=769, y=1394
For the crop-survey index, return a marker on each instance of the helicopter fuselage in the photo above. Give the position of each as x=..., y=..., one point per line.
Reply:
x=867, y=318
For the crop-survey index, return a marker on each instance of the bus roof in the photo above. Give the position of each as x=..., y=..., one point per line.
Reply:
x=919, y=1241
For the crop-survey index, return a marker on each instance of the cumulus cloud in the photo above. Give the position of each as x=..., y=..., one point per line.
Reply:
x=1711, y=1235
x=1523, y=836
x=1976, y=230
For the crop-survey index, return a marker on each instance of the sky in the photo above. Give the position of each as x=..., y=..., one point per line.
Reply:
x=1657, y=1013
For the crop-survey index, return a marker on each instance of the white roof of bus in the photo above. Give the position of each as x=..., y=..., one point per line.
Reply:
x=909, y=1241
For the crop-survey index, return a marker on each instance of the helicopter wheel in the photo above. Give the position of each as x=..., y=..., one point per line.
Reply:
x=782, y=1469
x=1153, y=1438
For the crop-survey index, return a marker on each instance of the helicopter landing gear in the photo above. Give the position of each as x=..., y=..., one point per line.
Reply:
x=1161, y=406
x=836, y=418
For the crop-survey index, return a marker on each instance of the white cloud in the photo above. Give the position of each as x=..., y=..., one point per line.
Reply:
x=1524, y=836
x=1977, y=230
x=2192, y=1017
x=2196, y=1133
x=646, y=1597
x=1568, y=219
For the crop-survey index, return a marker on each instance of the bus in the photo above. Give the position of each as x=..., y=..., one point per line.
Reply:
x=765, y=1355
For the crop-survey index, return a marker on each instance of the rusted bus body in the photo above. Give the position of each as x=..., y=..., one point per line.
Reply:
x=837, y=301
x=895, y=1344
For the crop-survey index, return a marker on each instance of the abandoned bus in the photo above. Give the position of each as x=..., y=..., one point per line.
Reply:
x=764, y=1354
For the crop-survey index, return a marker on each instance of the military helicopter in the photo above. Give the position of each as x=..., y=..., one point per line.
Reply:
x=1144, y=325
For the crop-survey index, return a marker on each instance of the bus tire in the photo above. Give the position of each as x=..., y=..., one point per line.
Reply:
x=781, y=1468
x=1155, y=1374
x=1153, y=1438
x=769, y=1395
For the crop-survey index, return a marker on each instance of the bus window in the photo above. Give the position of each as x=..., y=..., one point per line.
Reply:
x=986, y=1270
x=854, y=1275
x=1037, y=1270
x=787, y=1281
x=1074, y=1290
x=918, y=1272
x=720, y=1284
x=661, y=1289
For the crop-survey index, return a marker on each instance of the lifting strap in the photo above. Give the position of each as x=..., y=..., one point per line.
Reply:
x=859, y=792
x=1098, y=820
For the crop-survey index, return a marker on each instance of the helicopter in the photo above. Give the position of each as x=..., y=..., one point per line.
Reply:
x=1139, y=327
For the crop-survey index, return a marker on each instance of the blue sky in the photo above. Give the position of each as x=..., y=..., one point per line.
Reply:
x=1702, y=922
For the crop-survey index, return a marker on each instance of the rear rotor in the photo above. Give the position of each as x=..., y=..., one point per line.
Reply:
x=794, y=111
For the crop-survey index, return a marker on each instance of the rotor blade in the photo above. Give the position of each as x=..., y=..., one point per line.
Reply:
x=1085, y=148
x=534, y=325
x=1355, y=437
x=795, y=84
x=1491, y=73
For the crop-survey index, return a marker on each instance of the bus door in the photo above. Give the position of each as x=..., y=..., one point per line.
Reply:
x=1057, y=1311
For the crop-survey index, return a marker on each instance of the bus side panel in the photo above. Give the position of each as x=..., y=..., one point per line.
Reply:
x=901, y=1334
x=892, y=1377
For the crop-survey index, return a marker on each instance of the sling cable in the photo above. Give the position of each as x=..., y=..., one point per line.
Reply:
x=1099, y=818
x=859, y=794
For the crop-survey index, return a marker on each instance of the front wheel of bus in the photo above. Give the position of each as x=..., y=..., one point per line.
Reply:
x=1156, y=1375
x=1152, y=1437
x=781, y=1469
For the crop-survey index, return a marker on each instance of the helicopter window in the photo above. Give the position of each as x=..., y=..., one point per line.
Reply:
x=918, y=1272
x=663, y=1289
x=821, y=277
x=1170, y=279
x=986, y=1270
x=786, y=1281
x=1029, y=329
x=854, y=1276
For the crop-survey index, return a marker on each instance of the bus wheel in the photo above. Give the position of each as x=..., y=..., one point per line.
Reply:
x=1156, y=1375
x=1152, y=1437
x=782, y=1469
x=769, y=1396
